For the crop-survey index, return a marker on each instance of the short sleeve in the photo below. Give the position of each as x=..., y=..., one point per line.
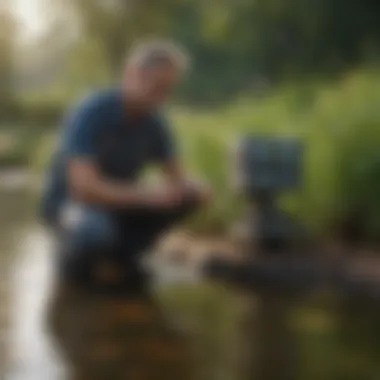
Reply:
x=82, y=129
x=164, y=145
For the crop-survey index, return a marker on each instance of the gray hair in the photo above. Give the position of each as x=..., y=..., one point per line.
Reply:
x=155, y=53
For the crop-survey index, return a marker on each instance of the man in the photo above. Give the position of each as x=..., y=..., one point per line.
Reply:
x=93, y=197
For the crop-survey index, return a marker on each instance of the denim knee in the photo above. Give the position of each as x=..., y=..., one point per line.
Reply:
x=92, y=229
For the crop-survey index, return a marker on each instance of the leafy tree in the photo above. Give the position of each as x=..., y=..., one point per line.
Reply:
x=7, y=45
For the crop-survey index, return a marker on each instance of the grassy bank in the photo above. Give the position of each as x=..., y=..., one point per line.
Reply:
x=339, y=124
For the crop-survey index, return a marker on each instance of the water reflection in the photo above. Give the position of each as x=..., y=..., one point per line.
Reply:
x=56, y=333
x=200, y=332
x=31, y=351
x=116, y=339
x=274, y=350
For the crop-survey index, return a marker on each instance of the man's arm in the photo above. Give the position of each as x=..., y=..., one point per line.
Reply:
x=87, y=185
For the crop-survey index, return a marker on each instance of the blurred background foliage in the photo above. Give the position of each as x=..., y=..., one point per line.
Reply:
x=299, y=67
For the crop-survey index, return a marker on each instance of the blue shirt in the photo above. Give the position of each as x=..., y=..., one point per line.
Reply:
x=101, y=130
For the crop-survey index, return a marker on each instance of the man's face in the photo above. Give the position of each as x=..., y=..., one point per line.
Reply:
x=152, y=86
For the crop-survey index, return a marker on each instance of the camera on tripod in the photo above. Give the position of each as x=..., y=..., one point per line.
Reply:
x=266, y=167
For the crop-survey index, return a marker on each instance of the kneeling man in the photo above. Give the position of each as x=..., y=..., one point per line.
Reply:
x=93, y=199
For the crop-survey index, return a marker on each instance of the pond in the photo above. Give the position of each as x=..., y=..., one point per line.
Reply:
x=187, y=331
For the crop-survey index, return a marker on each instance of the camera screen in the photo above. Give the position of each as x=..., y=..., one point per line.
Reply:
x=271, y=163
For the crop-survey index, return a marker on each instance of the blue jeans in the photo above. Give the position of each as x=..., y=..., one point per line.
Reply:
x=120, y=236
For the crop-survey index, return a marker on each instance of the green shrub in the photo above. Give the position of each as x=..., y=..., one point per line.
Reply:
x=339, y=124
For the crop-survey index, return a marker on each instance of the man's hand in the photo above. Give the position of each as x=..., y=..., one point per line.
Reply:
x=176, y=175
x=163, y=197
x=199, y=191
x=173, y=195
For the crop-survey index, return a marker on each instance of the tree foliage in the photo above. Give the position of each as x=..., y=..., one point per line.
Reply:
x=8, y=28
x=234, y=42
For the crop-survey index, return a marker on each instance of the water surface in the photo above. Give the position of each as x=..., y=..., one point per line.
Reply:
x=202, y=331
